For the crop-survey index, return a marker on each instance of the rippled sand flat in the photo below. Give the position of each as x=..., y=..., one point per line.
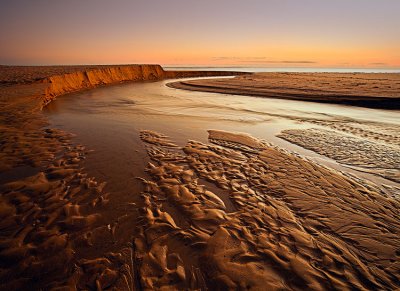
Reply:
x=293, y=224
x=371, y=156
x=48, y=204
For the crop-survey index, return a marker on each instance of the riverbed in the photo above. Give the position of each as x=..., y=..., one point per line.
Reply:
x=108, y=121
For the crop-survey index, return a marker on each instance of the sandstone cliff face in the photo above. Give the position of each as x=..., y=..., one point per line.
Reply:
x=91, y=78
x=86, y=79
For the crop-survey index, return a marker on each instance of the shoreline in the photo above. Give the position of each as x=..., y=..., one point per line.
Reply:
x=48, y=203
x=275, y=85
x=61, y=80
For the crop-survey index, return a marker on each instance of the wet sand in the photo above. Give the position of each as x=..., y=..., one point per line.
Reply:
x=295, y=225
x=120, y=188
x=375, y=90
x=379, y=158
x=54, y=229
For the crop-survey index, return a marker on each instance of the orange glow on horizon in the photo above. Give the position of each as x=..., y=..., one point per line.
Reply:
x=340, y=33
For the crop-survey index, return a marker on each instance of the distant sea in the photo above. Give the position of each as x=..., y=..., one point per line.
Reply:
x=295, y=70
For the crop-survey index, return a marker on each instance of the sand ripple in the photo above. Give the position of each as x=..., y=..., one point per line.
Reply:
x=378, y=158
x=296, y=225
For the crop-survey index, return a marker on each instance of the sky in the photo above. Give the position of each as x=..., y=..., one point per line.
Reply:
x=267, y=33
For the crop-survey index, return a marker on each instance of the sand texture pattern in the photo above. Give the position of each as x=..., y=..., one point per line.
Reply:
x=52, y=224
x=241, y=214
x=49, y=206
x=368, y=90
x=379, y=158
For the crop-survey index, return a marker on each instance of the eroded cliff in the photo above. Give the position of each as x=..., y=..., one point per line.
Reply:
x=94, y=77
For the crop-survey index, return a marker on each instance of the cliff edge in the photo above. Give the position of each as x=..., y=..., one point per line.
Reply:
x=48, y=82
x=91, y=78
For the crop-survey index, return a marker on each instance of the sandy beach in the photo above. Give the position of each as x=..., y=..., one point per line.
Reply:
x=375, y=90
x=117, y=189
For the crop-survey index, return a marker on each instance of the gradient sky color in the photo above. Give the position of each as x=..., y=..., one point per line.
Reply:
x=269, y=33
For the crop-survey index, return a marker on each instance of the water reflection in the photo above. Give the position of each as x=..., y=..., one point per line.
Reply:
x=108, y=120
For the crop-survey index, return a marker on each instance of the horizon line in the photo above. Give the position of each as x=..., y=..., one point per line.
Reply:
x=209, y=66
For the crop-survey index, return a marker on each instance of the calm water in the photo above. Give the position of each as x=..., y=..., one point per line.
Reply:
x=295, y=70
x=107, y=120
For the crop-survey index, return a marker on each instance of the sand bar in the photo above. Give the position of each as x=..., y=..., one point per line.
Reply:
x=360, y=89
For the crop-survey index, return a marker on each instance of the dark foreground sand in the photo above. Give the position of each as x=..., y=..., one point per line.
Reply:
x=367, y=90
x=241, y=214
x=233, y=213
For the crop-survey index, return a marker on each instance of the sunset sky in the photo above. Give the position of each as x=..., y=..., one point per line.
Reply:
x=269, y=33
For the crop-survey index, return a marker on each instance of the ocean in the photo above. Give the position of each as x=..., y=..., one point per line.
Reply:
x=294, y=70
